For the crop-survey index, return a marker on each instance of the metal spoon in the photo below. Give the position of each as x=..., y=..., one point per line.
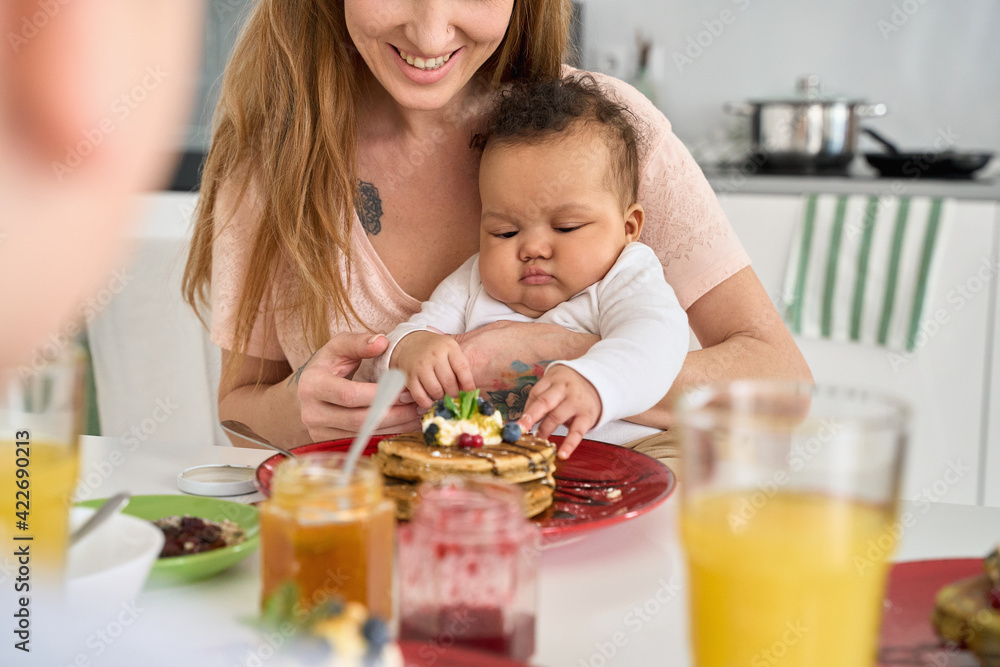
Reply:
x=104, y=512
x=242, y=430
x=389, y=386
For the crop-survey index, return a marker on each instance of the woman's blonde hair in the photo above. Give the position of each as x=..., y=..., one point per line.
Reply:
x=286, y=122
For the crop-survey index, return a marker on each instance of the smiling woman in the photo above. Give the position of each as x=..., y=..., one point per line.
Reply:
x=341, y=189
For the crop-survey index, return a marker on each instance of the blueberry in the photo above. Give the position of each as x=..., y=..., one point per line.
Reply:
x=430, y=433
x=443, y=412
x=332, y=607
x=511, y=432
x=376, y=632
x=486, y=408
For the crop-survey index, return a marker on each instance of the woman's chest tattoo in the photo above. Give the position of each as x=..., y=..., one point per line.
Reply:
x=368, y=205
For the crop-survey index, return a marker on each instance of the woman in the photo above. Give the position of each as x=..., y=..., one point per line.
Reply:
x=341, y=189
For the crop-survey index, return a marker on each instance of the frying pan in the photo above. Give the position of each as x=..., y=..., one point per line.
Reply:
x=924, y=164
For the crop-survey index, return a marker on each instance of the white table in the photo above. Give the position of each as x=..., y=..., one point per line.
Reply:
x=614, y=597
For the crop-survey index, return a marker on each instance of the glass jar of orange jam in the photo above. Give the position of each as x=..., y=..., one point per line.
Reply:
x=326, y=537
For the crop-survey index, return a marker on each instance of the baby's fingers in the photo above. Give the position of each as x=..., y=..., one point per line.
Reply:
x=541, y=401
x=462, y=370
x=569, y=445
x=579, y=428
x=419, y=392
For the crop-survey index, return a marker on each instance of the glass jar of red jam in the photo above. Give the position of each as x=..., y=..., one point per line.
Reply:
x=326, y=537
x=467, y=565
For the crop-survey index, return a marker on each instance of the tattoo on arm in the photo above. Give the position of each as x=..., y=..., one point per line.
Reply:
x=369, y=207
x=510, y=394
x=298, y=374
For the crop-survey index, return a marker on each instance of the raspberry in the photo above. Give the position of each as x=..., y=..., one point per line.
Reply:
x=511, y=432
x=995, y=598
x=470, y=440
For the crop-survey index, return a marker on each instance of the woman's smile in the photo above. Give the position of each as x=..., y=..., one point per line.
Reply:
x=425, y=52
x=425, y=69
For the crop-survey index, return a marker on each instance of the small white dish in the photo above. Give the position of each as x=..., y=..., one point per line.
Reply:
x=217, y=480
x=112, y=564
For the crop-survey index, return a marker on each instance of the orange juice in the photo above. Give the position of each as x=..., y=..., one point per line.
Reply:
x=794, y=580
x=39, y=496
x=329, y=540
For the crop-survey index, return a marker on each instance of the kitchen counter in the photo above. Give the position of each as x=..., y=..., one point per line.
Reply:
x=731, y=180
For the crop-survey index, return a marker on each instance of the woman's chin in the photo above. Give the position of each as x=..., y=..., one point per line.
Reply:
x=424, y=99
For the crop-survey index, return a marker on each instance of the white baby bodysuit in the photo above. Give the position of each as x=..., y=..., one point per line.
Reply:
x=643, y=329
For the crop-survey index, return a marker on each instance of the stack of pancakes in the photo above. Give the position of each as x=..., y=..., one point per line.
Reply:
x=967, y=613
x=406, y=461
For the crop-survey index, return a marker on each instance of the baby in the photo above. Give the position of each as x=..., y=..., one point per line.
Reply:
x=558, y=181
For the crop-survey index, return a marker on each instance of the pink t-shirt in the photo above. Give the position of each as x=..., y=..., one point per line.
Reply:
x=684, y=225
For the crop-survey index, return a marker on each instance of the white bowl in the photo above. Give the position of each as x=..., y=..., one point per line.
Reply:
x=112, y=563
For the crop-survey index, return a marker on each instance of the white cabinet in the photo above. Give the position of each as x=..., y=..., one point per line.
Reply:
x=946, y=380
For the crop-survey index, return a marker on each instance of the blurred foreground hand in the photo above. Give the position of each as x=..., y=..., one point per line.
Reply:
x=93, y=99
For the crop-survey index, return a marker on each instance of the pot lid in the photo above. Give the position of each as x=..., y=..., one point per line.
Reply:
x=808, y=91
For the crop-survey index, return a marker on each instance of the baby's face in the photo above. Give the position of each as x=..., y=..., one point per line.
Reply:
x=552, y=222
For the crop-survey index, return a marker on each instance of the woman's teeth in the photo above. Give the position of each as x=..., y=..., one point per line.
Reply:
x=420, y=63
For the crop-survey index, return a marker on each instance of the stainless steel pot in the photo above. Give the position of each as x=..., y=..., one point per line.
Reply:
x=809, y=130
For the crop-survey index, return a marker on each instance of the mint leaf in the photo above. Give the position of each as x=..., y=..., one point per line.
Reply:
x=449, y=403
x=280, y=605
x=468, y=402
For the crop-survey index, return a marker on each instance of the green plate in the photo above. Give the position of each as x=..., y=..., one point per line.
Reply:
x=196, y=566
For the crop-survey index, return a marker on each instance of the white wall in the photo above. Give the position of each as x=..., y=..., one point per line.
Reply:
x=939, y=70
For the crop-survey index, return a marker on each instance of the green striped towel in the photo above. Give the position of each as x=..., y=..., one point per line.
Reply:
x=861, y=267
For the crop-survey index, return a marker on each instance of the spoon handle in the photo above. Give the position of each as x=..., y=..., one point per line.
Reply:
x=115, y=503
x=389, y=387
x=242, y=430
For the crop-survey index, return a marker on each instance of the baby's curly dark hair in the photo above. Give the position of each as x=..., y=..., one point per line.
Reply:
x=531, y=111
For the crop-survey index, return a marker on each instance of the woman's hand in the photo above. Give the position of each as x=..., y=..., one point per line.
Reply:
x=316, y=402
x=506, y=356
x=332, y=406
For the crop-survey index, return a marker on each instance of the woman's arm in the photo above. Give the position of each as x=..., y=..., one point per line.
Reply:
x=742, y=336
x=315, y=402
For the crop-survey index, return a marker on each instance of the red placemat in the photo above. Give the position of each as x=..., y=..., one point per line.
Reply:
x=907, y=636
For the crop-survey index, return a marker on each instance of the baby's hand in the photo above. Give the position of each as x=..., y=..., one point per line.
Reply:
x=562, y=396
x=434, y=364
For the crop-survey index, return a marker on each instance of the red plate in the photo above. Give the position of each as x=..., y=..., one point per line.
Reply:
x=907, y=634
x=599, y=485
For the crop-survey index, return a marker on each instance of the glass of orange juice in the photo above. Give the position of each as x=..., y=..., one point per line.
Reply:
x=788, y=521
x=41, y=410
